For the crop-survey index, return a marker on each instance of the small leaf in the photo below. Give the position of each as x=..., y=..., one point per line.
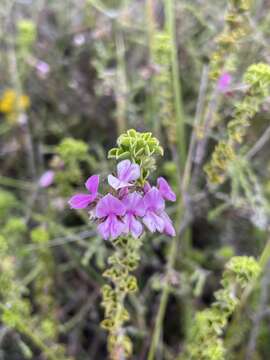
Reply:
x=123, y=155
x=132, y=133
x=112, y=153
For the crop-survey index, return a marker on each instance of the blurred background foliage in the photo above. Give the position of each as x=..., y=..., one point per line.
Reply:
x=73, y=76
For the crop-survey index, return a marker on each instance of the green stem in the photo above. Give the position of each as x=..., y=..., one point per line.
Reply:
x=177, y=91
x=165, y=294
x=39, y=343
x=121, y=85
x=181, y=147
x=20, y=184
x=265, y=256
x=151, y=100
x=163, y=303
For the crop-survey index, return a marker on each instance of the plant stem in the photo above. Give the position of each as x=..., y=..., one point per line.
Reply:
x=177, y=91
x=121, y=89
x=151, y=102
x=181, y=149
x=163, y=302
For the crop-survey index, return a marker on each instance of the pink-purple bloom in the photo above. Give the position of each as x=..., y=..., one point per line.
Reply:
x=224, y=82
x=134, y=209
x=81, y=201
x=155, y=218
x=42, y=68
x=46, y=179
x=109, y=209
x=126, y=172
x=165, y=189
x=128, y=208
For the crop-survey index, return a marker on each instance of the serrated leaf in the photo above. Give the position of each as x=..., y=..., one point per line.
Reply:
x=124, y=155
x=160, y=151
x=146, y=136
x=132, y=133
x=147, y=150
x=139, y=152
x=112, y=153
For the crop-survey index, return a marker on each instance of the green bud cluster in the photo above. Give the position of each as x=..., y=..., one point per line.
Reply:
x=27, y=34
x=124, y=260
x=70, y=149
x=139, y=148
x=257, y=77
x=216, y=169
x=71, y=153
x=241, y=5
x=234, y=31
x=205, y=342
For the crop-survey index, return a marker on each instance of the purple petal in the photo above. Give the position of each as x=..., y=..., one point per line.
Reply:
x=46, y=179
x=123, y=192
x=168, y=225
x=104, y=229
x=92, y=184
x=42, y=68
x=134, y=204
x=132, y=225
x=153, y=222
x=81, y=201
x=153, y=200
x=127, y=171
x=116, y=227
x=110, y=205
x=135, y=228
x=165, y=189
x=224, y=82
x=116, y=184
x=146, y=187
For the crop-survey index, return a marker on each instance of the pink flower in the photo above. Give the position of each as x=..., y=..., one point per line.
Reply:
x=42, y=68
x=155, y=218
x=109, y=208
x=134, y=208
x=224, y=82
x=79, y=39
x=81, y=201
x=165, y=189
x=46, y=179
x=168, y=225
x=146, y=187
x=126, y=172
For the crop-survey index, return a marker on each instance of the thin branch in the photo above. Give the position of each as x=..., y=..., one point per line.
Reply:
x=259, y=144
x=251, y=347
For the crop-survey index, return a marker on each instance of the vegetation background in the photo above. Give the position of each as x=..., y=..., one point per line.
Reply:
x=76, y=74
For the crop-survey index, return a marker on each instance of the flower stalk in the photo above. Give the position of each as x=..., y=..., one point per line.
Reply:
x=130, y=207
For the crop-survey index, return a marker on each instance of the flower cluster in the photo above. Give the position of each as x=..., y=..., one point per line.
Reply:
x=128, y=205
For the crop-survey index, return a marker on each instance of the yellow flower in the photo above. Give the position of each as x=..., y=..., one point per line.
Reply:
x=7, y=101
x=24, y=102
x=11, y=103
